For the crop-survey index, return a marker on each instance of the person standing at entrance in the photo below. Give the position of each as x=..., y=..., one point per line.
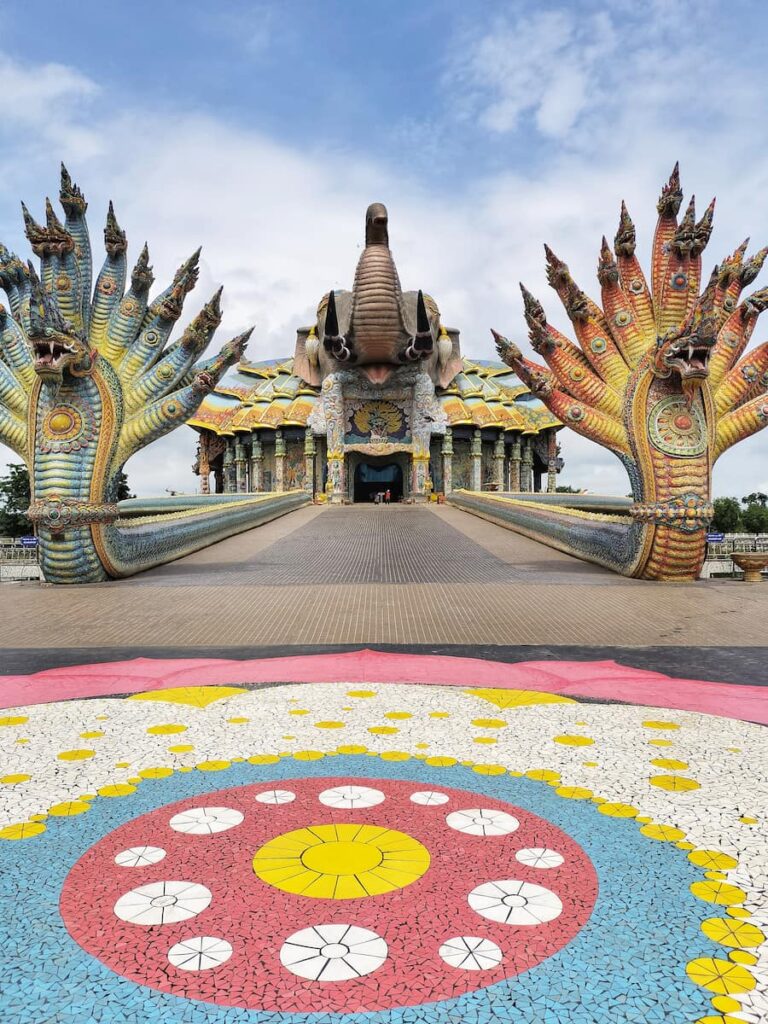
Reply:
x=387, y=496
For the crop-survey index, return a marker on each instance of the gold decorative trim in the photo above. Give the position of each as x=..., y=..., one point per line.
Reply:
x=577, y=513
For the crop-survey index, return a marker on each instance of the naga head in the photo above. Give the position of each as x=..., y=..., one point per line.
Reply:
x=685, y=351
x=540, y=381
x=57, y=346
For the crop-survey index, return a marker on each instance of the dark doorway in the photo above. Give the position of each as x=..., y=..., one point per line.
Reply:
x=371, y=479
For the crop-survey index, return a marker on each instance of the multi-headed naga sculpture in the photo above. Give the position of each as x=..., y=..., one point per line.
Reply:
x=88, y=379
x=659, y=377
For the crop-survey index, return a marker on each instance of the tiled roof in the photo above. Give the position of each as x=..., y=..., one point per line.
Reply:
x=268, y=395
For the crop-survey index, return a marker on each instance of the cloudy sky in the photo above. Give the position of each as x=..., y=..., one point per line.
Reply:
x=263, y=130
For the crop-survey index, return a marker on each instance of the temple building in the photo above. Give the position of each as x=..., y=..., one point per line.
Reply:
x=376, y=397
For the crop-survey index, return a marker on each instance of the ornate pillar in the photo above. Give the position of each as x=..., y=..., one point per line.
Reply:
x=335, y=486
x=419, y=475
x=309, y=461
x=476, y=451
x=279, y=460
x=229, y=467
x=241, y=467
x=514, y=464
x=552, y=461
x=448, y=461
x=526, y=466
x=333, y=407
x=204, y=465
x=498, y=461
x=257, y=464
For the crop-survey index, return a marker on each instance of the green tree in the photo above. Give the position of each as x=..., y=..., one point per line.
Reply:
x=123, y=487
x=567, y=489
x=756, y=498
x=15, y=499
x=14, y=502
x=727, y=517
x=755, y=518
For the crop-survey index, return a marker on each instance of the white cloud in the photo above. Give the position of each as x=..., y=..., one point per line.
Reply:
x=39, y=105
x=549, y=64
x=281, y=224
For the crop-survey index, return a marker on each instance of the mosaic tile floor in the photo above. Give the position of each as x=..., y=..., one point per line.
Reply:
x=207, y=842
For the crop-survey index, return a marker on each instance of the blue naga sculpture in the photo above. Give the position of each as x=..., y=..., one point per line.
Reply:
x=87, y=379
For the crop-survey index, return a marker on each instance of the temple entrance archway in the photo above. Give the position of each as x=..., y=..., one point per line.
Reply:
x=375, y=475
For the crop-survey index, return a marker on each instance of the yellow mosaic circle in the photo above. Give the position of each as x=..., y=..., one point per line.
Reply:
x=713, y=859
x=722, y=893
x=574, y=792
x=720, y=976
x=22, y=830
x=75, y=755
x=663, y=833
x=341, y=862
x=674, y=783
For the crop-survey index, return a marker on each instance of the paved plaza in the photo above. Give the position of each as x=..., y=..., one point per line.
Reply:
x=384, y=575
x=393, y=764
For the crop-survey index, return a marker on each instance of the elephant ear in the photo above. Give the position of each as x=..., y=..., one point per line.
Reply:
x=453, y=364
x=303, y=367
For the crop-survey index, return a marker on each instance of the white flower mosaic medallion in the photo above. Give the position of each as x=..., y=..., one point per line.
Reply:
x=205, y=821
x=333, y=952
x=351, y=797
x=139, y=856
x=200, y=953
x=538, y=857
x=510, y=901
x=162, y=903
x=429, y=798
x=276, y=796
x=471, y=953
x=478, y=821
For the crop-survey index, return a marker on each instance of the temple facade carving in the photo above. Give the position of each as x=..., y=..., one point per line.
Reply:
x=377, y=396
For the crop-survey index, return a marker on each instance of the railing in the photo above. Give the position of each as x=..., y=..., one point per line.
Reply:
x=718, y=558
x=17, y=562
x=738, y=542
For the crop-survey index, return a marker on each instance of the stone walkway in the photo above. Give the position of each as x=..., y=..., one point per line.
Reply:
x=398, y=575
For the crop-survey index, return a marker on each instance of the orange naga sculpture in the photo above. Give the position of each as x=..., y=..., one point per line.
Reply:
x=659, y=377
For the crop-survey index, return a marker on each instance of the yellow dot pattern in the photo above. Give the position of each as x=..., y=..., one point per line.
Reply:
x=22, y=830
x=674, y=783
x=722, y=893
x=663, y=833
x=720, y=976
x=712, y=859
x=729, y=932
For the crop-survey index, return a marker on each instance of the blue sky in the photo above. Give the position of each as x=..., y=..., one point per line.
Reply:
x=263, y=130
